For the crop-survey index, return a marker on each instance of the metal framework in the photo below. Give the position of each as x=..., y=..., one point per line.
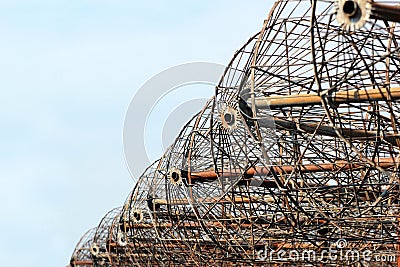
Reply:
x=82, y=256
x=297, y=151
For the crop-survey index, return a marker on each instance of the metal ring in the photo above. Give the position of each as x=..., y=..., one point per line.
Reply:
x=353, y=14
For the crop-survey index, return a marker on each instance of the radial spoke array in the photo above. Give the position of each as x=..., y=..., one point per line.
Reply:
x=298, y=151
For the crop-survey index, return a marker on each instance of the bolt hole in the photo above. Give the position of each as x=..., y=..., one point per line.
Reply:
x=175, y=176
x=350, y=8
x=229, y=119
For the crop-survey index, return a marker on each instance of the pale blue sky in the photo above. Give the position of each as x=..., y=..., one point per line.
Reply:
x=68, y=72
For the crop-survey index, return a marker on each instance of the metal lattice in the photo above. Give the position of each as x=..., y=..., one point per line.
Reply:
x=297, y=151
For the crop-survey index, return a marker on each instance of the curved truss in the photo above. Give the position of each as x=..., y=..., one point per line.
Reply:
x=139, y=219
x=297, y=150
x=106, y=239
x=82, y=256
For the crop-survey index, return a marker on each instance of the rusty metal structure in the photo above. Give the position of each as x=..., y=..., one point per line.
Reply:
x=82, y=255
x=297, y=152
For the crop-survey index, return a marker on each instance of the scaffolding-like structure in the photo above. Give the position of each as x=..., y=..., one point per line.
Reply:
x=297, y=151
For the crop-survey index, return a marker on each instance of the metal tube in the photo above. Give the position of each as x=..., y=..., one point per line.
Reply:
x=285, y=169
x=351, y=96
x=353, y=14
x=330, y=131
x=385, y=12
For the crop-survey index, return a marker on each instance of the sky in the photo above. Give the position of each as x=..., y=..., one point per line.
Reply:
x=68, y=71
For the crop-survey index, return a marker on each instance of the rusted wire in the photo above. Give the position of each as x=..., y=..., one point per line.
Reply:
x=298, y=150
